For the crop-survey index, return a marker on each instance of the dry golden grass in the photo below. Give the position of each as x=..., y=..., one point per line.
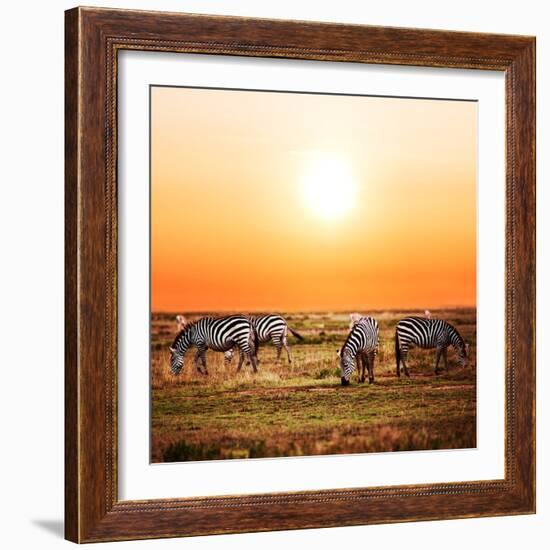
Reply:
x=301, y=409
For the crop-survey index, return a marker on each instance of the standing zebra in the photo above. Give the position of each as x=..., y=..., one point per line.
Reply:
x=270, y=327
x=218, y=334
x=361, y=345
x=427, y=333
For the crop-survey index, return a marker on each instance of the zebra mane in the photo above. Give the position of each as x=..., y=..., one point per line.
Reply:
x=184, y=331
x=347, y=338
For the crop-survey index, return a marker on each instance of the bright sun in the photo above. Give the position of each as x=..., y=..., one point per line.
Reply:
x=328, y=187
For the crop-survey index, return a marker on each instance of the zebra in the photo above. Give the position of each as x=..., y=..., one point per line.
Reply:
x=218, y=334
x=428, y=333
x=361, y=345
x=270, y=327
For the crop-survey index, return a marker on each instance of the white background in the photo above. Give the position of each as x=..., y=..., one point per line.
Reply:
x=31, y=316
x=140, y=480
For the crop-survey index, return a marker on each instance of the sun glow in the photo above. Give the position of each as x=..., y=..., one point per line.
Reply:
x=328, y=187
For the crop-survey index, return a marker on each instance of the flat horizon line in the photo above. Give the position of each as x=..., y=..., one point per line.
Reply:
x=350, y=310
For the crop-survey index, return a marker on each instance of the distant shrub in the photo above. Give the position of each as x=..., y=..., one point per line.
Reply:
x=181, y=451
x=257, y=449
x=323, y=337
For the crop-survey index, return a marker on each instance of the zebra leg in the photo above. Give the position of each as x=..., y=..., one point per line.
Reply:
x=241, y=360
x=437, y=357
x=255, y=346
x=203, y=361
x=363, y=364
x=255, y=352
x=197, y=359
x=285, y=344
x=253, y=360
x=247, y=360
x=371, y=368
x=445, y=359
x=228, y=357
x=278, y=346
x=398, y=367
x=404, y=361
x=359, y=361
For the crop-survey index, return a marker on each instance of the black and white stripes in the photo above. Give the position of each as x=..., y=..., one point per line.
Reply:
x=361, y=346
x=246, y=332
x=274, y=328
x=218, y=334
x=427, y=333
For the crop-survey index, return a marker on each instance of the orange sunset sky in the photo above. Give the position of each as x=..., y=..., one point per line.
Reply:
x=288, y=202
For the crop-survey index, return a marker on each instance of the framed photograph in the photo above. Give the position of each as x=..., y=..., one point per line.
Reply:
x=300, y=275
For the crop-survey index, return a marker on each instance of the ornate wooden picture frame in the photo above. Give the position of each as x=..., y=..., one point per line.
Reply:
x=94, y=37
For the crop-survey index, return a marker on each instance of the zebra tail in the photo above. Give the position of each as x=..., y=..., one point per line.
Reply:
x=397, y=351
x=299, y=336
x=256, y=341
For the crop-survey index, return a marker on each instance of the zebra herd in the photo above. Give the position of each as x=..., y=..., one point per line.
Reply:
x=225, y=334
x=244, y=333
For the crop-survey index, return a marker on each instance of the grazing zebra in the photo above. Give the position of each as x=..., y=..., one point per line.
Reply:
x=218, y=334
x=270, y=327
x=361, y=345
x=427, y=333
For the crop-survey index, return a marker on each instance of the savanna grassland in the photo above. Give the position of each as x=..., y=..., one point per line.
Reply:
x=301, y=408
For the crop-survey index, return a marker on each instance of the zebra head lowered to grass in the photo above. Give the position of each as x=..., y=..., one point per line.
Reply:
x=361, y=347
x=270, y=327
x=215, y=333
x=427, y=333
